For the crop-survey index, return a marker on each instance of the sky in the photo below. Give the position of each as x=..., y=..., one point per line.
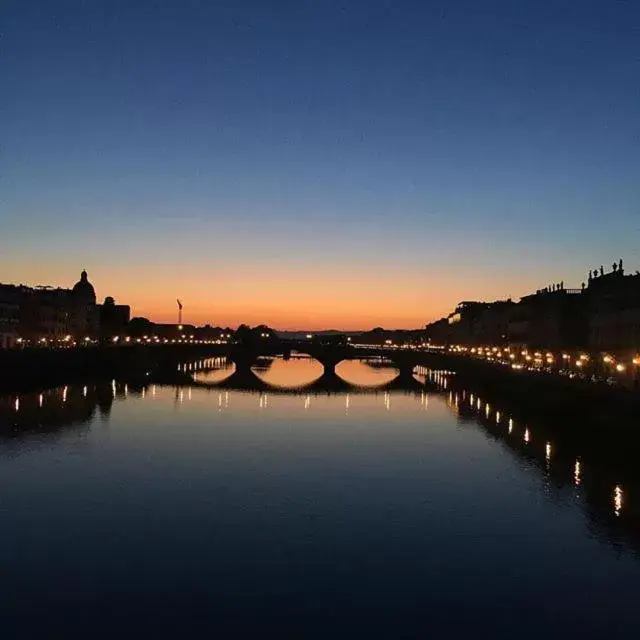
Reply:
x=317, y=164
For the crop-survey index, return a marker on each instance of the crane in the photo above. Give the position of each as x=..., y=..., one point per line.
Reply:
x=179, y=314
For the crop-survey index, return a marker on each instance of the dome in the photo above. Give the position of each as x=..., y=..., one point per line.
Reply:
x=84, y=289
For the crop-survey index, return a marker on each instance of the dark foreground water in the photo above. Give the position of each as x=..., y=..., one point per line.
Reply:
x=405, y=513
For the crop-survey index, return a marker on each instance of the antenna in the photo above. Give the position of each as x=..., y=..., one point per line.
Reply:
x=179, y=313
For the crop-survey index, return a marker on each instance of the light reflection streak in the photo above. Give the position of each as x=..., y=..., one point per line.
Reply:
x=40, y=400
x=618, y=497
x=527, y=435
x=64, y=394
x=576, y=473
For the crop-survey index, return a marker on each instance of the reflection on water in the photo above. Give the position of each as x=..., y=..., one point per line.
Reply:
x=371, y=373
x=210, y=370
x=604, y=493
x=302, y=512
x=297, y=371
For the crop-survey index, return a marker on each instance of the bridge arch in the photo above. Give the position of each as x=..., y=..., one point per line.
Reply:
x=210, y=370
x=360, y=373
x=291, y=372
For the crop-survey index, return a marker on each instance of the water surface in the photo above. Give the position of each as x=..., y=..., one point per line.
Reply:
x=370, y=511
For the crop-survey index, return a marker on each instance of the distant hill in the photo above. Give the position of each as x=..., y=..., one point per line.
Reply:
x=374, y=335
x=299, y=335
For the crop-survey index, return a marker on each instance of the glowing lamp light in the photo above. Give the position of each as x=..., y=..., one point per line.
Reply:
x=620, y=368
x=607, y=359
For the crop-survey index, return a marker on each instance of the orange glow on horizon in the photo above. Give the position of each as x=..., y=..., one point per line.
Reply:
x=313, y=298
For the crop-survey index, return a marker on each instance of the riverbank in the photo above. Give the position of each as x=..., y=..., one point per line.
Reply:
x=575, y=402
x=37, y=369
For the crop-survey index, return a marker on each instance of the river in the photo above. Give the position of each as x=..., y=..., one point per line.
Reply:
x=281, y=508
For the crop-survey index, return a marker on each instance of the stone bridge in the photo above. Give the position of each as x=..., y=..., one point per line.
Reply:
x=329, y=356
x=329, y=382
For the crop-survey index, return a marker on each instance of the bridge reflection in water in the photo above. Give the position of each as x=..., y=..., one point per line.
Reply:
x=300, y=373
x=603, y=478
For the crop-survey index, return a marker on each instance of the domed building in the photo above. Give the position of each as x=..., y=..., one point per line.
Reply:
x=84, y=313
x=83, y=289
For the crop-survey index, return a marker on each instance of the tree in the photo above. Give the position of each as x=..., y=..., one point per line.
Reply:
x=139, y=327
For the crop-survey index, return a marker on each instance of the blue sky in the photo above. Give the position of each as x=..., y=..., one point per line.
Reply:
x=450, y=150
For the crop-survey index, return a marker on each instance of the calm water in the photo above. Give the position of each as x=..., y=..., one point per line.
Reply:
x=332, y=511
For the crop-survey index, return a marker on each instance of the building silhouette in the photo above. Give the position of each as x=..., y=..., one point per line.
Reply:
x=45, y=315
x=603, y=315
